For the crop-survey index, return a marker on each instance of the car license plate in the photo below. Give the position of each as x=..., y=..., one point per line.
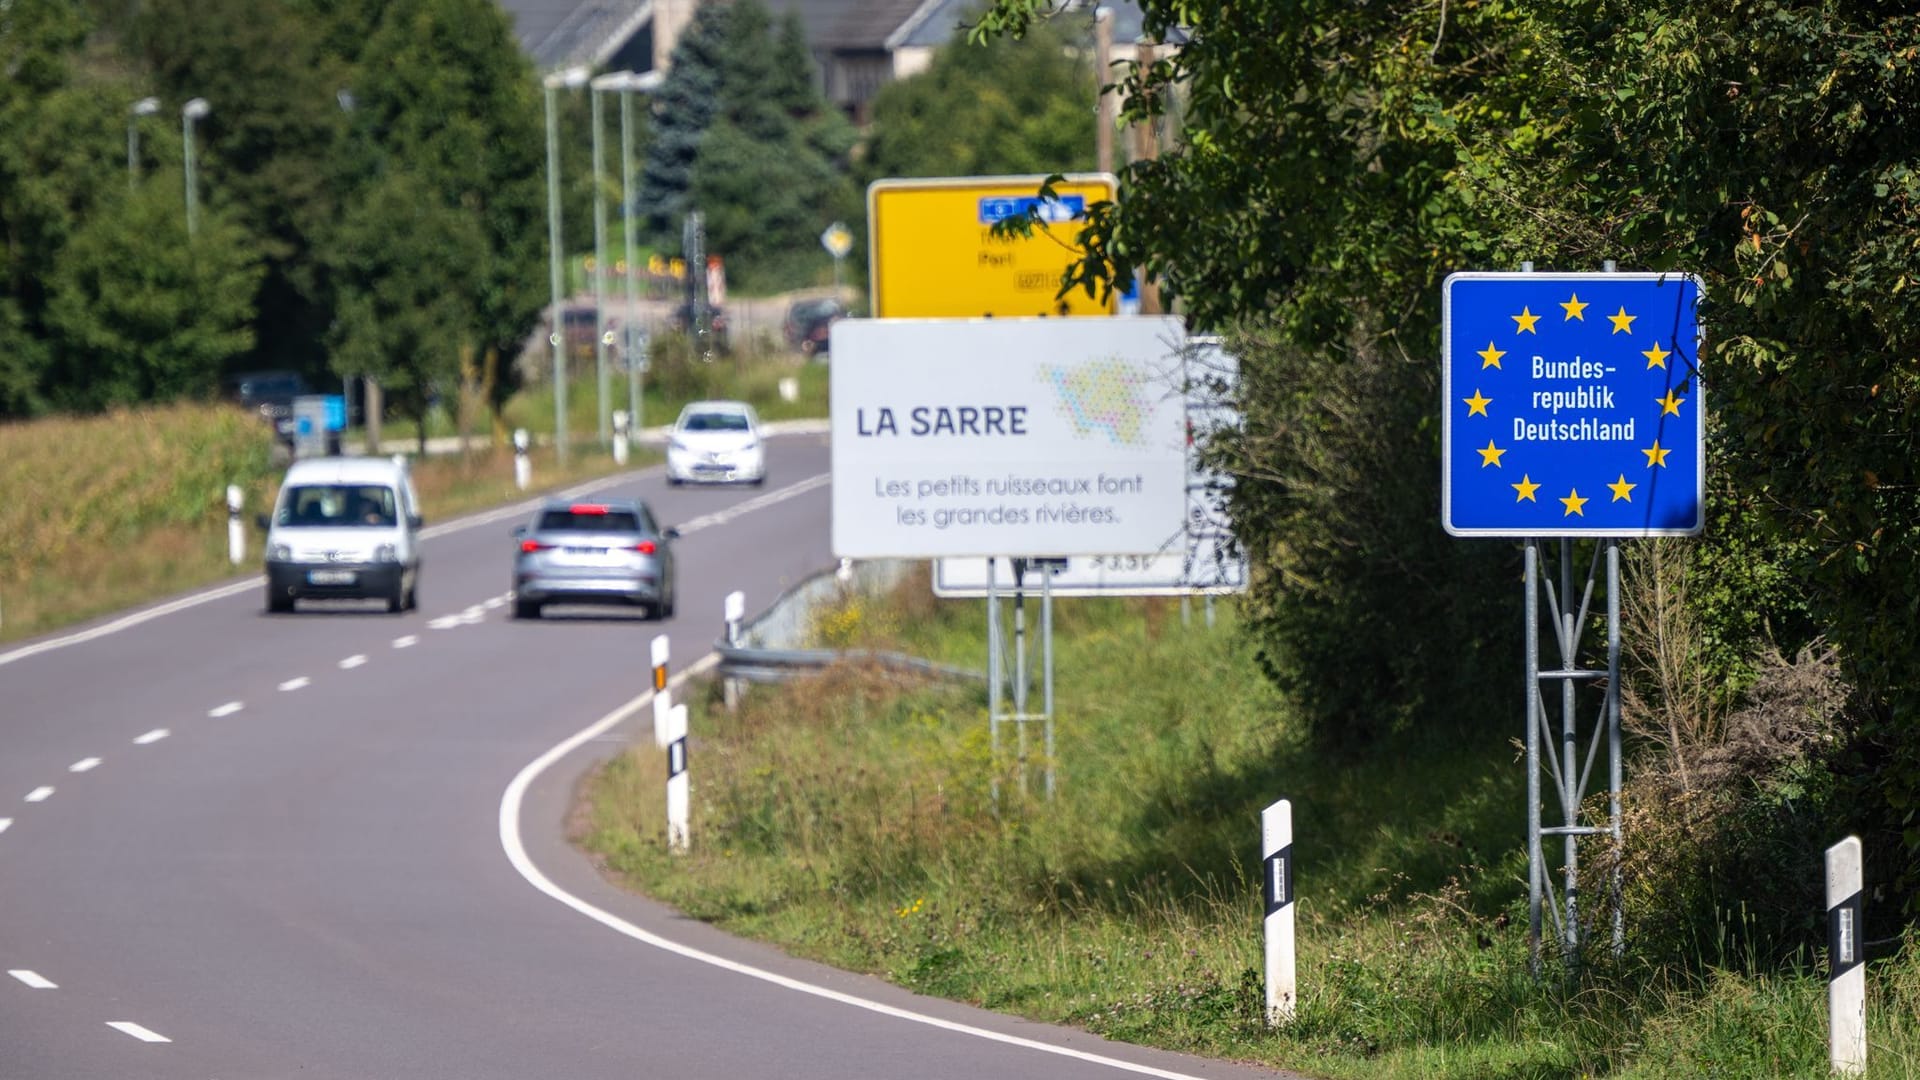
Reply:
x=589, y=557
x=330, y=577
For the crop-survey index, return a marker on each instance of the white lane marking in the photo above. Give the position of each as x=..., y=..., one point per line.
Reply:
x=407, y=642
x=153, y=736
x=84, y=764
x=473, y=614
x=33, y=979
x=39, y=794
x=228, y=709
x=299, y=682
x=516, y=851
x=444, y=622
x=5, y=823
x=128, y=1027
x=721, y=517
x=493, y=602
x=353, y=661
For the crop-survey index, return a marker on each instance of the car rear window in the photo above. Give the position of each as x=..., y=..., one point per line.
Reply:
x=579, y=521
x=717, y=421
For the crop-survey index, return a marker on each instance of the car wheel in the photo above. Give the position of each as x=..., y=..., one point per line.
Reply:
x=666, y=606
x=397, y=599
x=808, y=348
x=413, y=594
x=526, y=609
x=278, y=602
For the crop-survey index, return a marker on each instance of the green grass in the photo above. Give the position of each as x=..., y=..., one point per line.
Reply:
x=852, y=819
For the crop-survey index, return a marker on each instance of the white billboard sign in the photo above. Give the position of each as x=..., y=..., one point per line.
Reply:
x=1205, y=562
x=982, y=437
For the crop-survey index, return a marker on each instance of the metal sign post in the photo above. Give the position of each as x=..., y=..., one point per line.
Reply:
x=1585, y=391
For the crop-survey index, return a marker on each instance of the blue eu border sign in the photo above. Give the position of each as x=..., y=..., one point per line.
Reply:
x=1572, y=405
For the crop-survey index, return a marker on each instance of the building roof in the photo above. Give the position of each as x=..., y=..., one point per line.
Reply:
x=937, y=22
x=561, y=33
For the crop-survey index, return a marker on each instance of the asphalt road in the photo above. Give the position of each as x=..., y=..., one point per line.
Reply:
x=330, y=845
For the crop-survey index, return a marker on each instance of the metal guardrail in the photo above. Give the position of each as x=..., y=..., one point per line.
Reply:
x=768, y=650
x=775, y=665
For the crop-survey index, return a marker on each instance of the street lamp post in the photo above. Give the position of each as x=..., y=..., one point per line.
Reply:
x=604, y=82
x=146, y=106
x=191, y=111
x=635, y=84
x=572, y=79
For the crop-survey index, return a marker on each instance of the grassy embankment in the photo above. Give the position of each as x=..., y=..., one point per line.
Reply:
x=851, y=820
x=102, y=513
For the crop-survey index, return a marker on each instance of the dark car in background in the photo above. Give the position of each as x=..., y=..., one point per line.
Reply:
x=809, y=324
x=607, y=552
x=270, y=394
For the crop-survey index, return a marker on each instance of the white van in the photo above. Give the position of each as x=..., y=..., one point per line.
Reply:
x=344, y=527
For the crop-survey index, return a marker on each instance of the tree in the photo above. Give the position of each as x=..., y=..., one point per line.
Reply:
x=48, y=178
x=1340, y=159
x=761, y=153
x=139, y=312
x=442, y=93
x=1004, y=107
x=409, y=268
x=264, y=151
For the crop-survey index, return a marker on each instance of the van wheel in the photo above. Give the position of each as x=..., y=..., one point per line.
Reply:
x=413, y=595
x=397, y=600
x=278, y=602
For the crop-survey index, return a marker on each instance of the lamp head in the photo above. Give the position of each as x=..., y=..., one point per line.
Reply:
x=146, y=106
x=195, y=109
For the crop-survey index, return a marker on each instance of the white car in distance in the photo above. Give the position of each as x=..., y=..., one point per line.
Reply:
x=716, y=442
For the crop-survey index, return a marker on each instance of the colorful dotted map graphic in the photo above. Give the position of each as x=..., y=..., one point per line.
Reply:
x=1103, y=397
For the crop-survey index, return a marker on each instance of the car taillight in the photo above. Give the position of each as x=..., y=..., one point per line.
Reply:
x=531, y=546
x=591, y=509
x=644, y=547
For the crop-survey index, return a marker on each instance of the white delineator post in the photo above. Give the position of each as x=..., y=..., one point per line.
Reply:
x=677, y=778
x=662, y=698
x=236, y=535
x=735, y=610
x=1276, y=849
x=619, y=436
x=1846, y=960
x=522, y=465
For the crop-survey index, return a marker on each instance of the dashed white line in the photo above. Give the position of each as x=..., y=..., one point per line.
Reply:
x=84, y=764
x=153, y=736
x=407, y=642
x=128, y=1027
x=495, y=602
x=353, y=661
x=296, y=683
x=444, y=622
x=228, y=709
x=39, y=794
x=5, y=823
x=33, y=979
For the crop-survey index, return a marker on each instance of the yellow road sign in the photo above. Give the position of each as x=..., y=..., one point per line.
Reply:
x=934, y=255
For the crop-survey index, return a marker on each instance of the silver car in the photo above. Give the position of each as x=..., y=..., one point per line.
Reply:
x=716, y=442
x=609, y=552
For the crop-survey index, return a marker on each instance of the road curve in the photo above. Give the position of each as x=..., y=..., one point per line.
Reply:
x=330, y=845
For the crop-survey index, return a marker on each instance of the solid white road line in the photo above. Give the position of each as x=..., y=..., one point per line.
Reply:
x=228, y=709
x=84, y=764
x=516, y=850
x=33, y=979
x=39, y=794
x=407, y=642
x=143, y=1034
x=297, y=683
x=153, y=736
x=353, y=661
